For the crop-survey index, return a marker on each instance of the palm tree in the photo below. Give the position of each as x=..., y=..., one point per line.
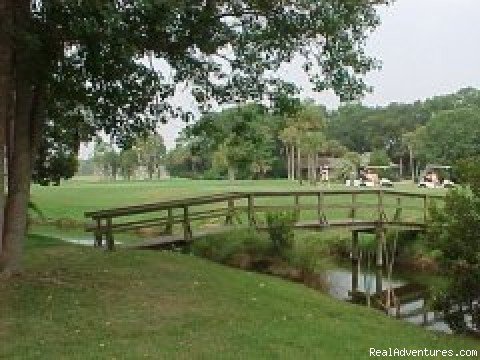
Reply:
x=312, y=143
x=414, y=141
x=289, y=137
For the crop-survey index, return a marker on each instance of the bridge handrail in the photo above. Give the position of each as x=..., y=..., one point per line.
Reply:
x=104, y=218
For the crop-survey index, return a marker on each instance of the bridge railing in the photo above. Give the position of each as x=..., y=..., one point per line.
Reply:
x=312, y=206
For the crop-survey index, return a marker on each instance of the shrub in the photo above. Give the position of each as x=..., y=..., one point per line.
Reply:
x=280, y=230
x=223, y=247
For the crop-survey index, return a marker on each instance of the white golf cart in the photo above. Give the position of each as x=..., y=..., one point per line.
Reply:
x=430, y=178
x=368, y=177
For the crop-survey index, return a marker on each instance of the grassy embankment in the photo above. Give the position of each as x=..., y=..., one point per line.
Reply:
x=80, y=303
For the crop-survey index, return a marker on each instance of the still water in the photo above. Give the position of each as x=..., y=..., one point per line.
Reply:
x=340, y=281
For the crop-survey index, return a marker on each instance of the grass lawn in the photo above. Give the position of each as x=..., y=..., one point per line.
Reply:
x=81, y=303
x=74, y=197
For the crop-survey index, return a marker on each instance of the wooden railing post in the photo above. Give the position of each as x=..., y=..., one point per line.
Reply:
x=109, y=236
x=381, y=209
x=321, y=207
x=169, y=225
x=98, y=233
x=297, y=207
x=354, y=206
x=230, y=212
x=187, y=230
x=425, y=208
x=398, y=210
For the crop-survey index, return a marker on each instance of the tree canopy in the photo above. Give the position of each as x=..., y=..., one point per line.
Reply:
x=71, y=69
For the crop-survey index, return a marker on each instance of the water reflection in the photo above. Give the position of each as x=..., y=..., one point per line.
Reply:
x=340, y=282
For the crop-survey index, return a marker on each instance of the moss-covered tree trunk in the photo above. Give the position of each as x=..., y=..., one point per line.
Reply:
x=23, y=137
x=6, y=52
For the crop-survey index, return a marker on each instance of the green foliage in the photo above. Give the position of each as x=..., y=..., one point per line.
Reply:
x=453, y=135
x=151, y=153
x=128, y=163
x=86, y=58
x=454, y=231
x=349, y=167
x=222, y=248
x=239, y=140
x=280, y=230
x=379, y=157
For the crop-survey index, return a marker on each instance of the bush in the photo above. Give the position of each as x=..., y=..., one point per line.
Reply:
x=280, y=230
x=453, y=233
x=223, y=247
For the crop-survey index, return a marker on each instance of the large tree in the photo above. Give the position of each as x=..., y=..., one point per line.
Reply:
x=78, y=65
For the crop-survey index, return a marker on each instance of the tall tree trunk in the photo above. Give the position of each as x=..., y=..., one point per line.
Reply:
x=401, y=167
x=292, y=161
x=309, y=168
x=19, y=175
x=6, y=91
x=289, y=168
x=310, y=156
x=315, y=169
x=231, y=173
x=299, y=166
x=412, y=164
x=20, y=148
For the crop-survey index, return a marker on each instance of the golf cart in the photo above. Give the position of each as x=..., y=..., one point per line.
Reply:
x=368, y=176
x=436, y=176
x=386, y=173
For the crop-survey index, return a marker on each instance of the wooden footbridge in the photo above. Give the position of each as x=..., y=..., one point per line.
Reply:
x=184, y=220
x=353, y=210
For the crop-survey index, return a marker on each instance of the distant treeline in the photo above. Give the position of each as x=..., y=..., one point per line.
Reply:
x=250, y=141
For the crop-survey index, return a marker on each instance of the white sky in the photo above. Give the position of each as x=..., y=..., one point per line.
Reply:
x=427, y=48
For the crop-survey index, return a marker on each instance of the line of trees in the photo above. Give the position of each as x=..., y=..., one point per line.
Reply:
x=250, y=142
x=147, y=154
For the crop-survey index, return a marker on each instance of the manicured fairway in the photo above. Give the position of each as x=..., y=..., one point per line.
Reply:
x=74, y=197
x=82, y=303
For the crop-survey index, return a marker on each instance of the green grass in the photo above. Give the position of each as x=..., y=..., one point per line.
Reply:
x=81, y=303
x=74, y=197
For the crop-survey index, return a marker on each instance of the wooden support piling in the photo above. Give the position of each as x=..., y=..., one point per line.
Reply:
x=251, y=210
x=398, y=306
x=355, y=261
x=109, y=235
x=187, y=230
x=425, y=311
x=230, y=212
x=380, y=239
x=98, y=233
x=169, y=225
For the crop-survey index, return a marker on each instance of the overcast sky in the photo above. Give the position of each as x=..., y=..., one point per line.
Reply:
x=427, y=48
